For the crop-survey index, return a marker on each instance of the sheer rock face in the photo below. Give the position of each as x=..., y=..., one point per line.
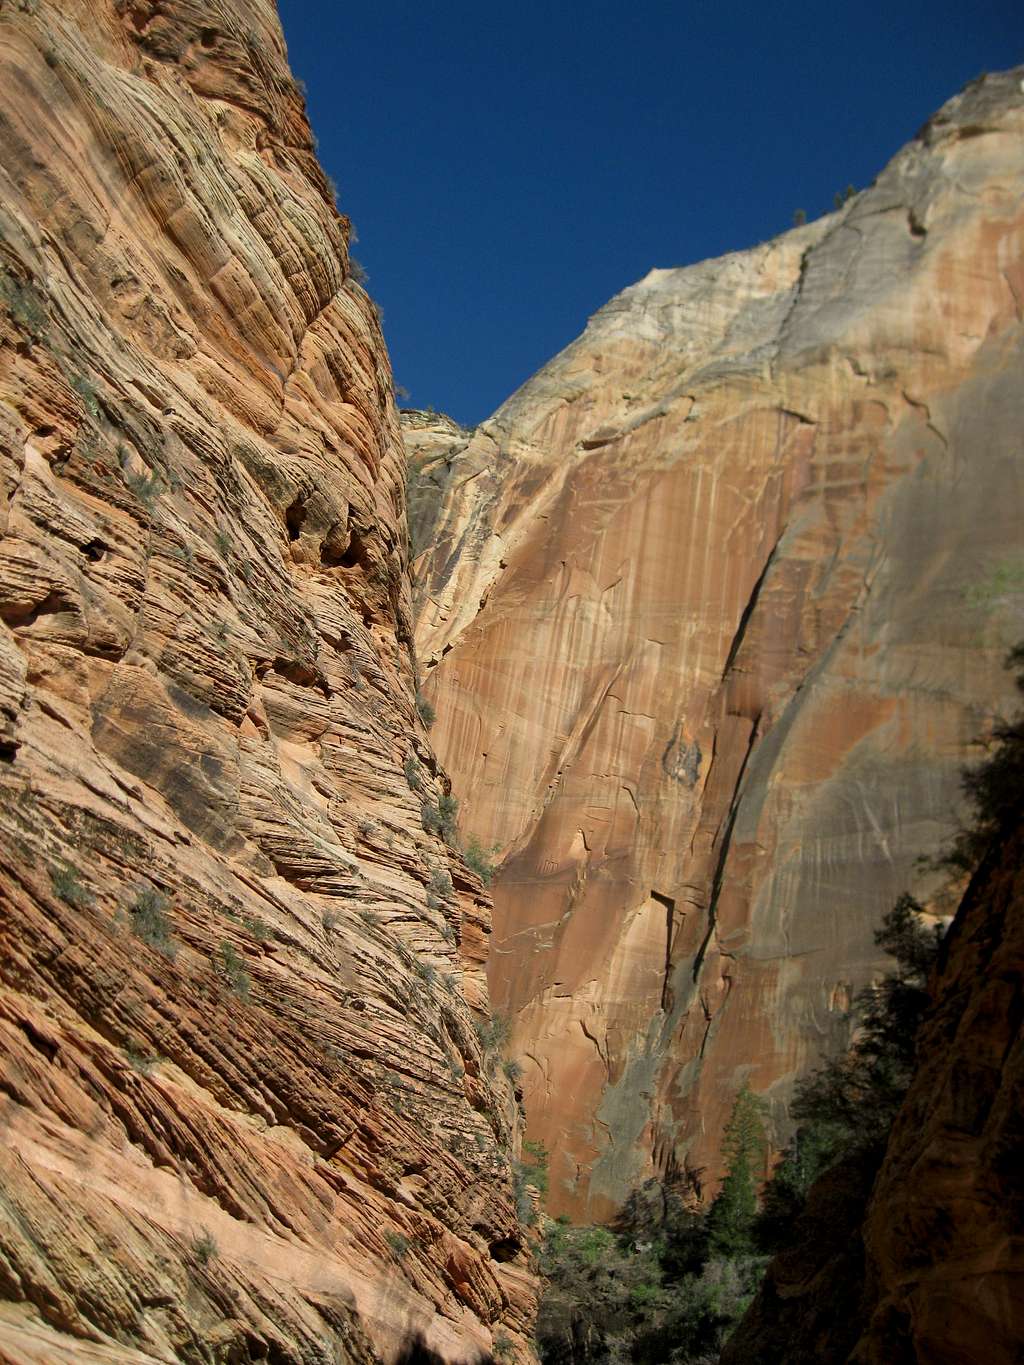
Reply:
x=244, y=1110
x=715, y=607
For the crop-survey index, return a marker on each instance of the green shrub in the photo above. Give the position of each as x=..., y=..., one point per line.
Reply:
x=427, y=714
x=1004, y=581
x=480, y=861
x=531, y=1169
x=399, y=1245
x=441, y=884
x=502, y=1347
x=846, y=1108
x=993, y=787
x=68, y=887
x=442, y=819
x=731, y=1217
x=638, y=1294
x=204, y=1247
x=231, y=970
x=259, y=929
x=139, y=1060
x=87, y=392
x=493, y=1033
x=148, y=919
x=413, y=773
x=146, y=487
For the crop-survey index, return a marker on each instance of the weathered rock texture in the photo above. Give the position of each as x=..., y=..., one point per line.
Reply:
x=245, y=1114
x=715, y=606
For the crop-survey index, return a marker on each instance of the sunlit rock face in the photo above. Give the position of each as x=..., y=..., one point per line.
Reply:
x=245, y=1113
x=714, y=610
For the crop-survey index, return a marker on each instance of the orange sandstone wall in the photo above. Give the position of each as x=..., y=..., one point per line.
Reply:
x=714, y=609
x=244, y=1110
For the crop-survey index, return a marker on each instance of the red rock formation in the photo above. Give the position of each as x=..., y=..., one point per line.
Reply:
x=716, y=606
x=245, y=1113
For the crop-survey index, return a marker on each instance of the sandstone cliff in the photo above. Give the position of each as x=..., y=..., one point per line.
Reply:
x=714, y=608
x=245, y=1113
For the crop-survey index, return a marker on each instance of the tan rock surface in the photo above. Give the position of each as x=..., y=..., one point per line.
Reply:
x=715, y=606
x=245, y=1114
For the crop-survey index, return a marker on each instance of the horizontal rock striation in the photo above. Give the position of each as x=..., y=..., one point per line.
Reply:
x=714, y=611
x=245, y=1113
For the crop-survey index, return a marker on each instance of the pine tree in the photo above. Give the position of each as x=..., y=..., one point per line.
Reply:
x=731, y=1216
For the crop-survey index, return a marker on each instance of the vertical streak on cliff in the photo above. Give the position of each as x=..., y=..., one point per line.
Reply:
x=695, y=497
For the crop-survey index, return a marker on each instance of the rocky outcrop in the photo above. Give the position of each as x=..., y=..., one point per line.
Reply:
x=245, y=1113
x=715, y=607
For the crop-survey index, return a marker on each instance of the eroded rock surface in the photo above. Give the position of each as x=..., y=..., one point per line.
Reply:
x=245, y=1114
x=716, y=606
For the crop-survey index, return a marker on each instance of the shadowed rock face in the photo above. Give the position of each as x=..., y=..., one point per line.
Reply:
x=931, y=1267
x=715, y=608
x=243, y=1110
x=943, y=1247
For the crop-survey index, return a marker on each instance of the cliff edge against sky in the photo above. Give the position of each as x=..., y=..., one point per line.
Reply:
x=713, y=611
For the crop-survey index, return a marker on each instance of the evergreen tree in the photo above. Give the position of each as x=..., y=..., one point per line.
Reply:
x=846, y=1108
x=731, y=1216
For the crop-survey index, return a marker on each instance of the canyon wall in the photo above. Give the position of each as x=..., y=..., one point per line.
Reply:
x=923, y=1260
x=713, y=610
x=245, y=1113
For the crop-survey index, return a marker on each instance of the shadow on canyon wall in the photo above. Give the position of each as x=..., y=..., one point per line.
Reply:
x=417, y=1352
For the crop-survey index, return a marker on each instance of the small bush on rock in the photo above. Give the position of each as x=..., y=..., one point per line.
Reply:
x=149, y=921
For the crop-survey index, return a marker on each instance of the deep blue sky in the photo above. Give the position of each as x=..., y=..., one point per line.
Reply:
x=509, y=169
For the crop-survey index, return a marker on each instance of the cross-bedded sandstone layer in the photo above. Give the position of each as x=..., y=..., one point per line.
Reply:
x=715, y=609
x=245, y=1114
